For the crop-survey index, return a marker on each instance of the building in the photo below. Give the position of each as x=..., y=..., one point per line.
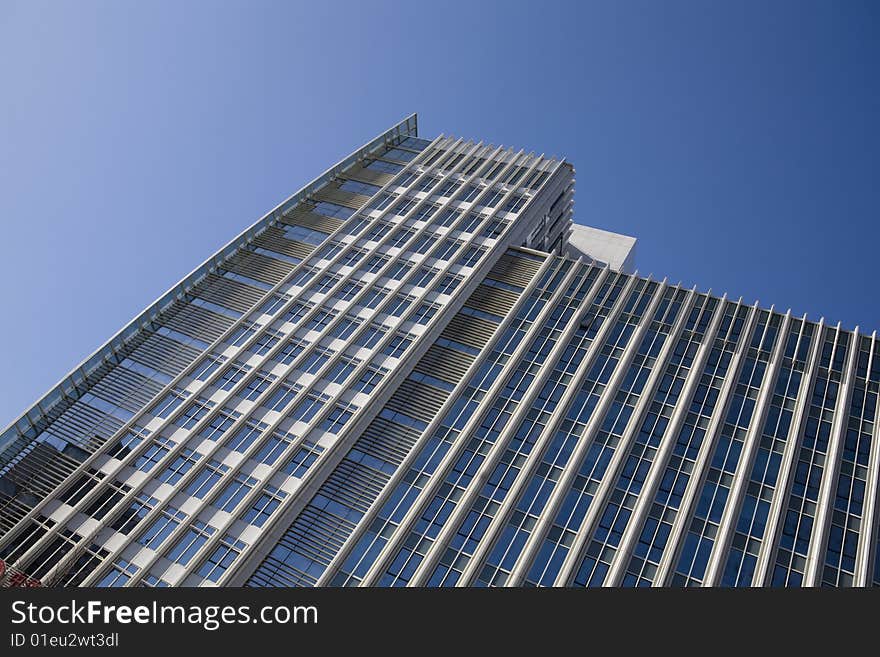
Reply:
x=417, y=371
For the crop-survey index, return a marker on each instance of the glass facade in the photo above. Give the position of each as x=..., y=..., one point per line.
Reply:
x=402, y=376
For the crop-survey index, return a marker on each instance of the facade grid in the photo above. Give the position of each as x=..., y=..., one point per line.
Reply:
x=400, y=376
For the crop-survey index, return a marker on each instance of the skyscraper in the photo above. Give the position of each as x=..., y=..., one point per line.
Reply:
x=418, y=371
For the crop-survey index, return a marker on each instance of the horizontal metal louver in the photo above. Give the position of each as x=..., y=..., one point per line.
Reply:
x=312, y=220
x=273, y=239
x=472, y=331
x=513, y=270
x=387, y=441
x=491, y=300
x=259, y=267
x=354, y=485
x=164, y=354
x=81, y=422
x=196, y=322
x=447, y=364
x=341, y=197
x=368, y=176
x=227, y=292
x=130, y=390
x=418, y=400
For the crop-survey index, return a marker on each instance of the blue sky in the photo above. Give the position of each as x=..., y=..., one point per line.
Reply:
x=137, y=138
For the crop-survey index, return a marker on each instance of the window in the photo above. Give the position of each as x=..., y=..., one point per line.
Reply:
x=302, y=277
x=220, y=560
x=316, y=360
x=406, y=178
x=169, y=403
x=375, y=263
x=382, y=201
x=494, y=228
x=268, y=501
x=447, y=189
x=401, y=237
x=398, y=271
x=471, y=256
x=383, y=167
x=469, y=193
x=193, y=413
x=78, y=490
x=234, y=492
x=403, y=206
x=289, y=352
x=333, y=210
x=423, y=313
x=356, y=187
x=246, y=436
x=208, y=366
x=128, y=442
x=243, y=333
x=424, y=276
x=345, y=327
x=220, y=424
x=493, y=198
x=274, y=303
x=347, y=291
x=341, y=370
x=257, y=385
x=371, y=336
x=320, y=320
x=328, y=251
x=168, y=520
x=325, y=283
x=515, y=203
x=308, y=408
x=232, y=375
x=425, y=212
x=398, y=305
x=373, y=297
x=423, y=244
x=336, y=419
x=206, y=479
x=181, y=464
x=296, y=312
x=397, y=345
x=134, y=513
x=195, y=537
x=264, y=343
x=447, y=284
x=153, y=454
x=447, y=249
x=370, y=379
x=353, y=256
x=378, y=231
x=282, y=396
x=275, y=444
x=119, y=574
x=305, y=456
x=446, y=217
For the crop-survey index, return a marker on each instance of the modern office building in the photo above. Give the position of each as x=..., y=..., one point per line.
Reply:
x=416, y=371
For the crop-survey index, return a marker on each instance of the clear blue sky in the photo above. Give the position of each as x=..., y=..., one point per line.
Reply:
x=136, y=138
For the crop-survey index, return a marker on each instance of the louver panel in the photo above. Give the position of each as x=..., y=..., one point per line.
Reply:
x=259, y=267
x=273, y=239
x=348, y=199
x=130, y=390
x=229, y=293
x=164, y=354
x=311, y=220
x=196, y=322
